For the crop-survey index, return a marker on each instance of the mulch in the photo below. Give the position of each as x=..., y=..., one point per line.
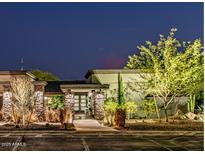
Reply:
x=10, y=126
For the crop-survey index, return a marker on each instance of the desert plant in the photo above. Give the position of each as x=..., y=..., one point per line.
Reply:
x=110, y=108
x=57, y=103
x=52, y=115
x=23, y=92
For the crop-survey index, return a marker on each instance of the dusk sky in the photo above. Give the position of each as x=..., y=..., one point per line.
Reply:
x=67, y=39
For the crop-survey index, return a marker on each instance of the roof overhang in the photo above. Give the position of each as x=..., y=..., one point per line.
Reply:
x=111, y=71
x=18, y=73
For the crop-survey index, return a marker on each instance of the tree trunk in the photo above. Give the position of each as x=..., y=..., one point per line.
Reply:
x=157, y=109
x=193, y=103
x=166, y=116
x=189, y=102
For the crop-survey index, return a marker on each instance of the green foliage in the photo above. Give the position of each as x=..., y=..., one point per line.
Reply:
x=44, y=75
x=110, y=106
x=57, y=102
x=120, y=114
x=113, y=94
x=126, y=91
x=121, y=92
x=148, y=107
x=131, y=107
x=174, y=68
x=139, y=62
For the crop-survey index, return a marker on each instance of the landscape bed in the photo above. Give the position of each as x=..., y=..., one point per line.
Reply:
x=187, y=125
x=35, y=126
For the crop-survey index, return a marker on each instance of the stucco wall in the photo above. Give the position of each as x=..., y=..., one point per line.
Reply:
x=112, y=80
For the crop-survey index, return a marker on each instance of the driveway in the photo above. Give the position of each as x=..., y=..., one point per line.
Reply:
x=103, y=141
x=91, y=125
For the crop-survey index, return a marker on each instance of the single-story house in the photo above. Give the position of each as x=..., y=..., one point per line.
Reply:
x=85, y=97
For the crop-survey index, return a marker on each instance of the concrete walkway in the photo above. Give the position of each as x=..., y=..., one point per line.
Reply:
x=91, y=125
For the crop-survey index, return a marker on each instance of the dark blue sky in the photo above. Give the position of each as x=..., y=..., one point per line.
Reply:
x=70, y=38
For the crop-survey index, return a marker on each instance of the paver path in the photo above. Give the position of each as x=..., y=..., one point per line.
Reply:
x=88, y=125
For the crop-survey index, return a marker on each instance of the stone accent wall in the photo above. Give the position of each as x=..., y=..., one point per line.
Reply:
x=7, y=105
x=69, y=103
x=91, y=100
x=39, y=105
x=99, y=99
x=39, y=99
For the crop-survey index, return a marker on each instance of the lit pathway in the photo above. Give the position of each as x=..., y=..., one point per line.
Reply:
x=90, y=125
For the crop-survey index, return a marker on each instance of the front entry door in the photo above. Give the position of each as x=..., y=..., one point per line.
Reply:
x=81, y=105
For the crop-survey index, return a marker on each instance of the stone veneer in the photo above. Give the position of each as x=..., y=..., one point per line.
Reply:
x=99, y=99
x=7, y=105
x=69, y=103
x=39, y=103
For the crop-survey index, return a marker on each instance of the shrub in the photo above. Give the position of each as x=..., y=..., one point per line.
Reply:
x=52, y=115
x=131, y=108
x=110, y=108
x=57, y=103
x=148, y=107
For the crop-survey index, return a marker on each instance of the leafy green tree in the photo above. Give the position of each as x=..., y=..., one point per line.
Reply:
x=192, y=71
x=190, y=68
x=44, y=75
x=167, y=70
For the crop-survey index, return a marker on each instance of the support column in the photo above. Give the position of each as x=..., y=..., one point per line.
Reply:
x=69, y=103
x=91, y=96
x=99, y=99
x=39, y=102
x=7, y=103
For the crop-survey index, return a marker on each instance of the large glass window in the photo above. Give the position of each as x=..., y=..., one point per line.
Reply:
x=80, y=102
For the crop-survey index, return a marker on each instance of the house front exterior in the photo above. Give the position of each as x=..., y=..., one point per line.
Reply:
x=85, y=97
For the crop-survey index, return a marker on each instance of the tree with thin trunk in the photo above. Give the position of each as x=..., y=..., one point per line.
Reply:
x=168, y=69
x=23, y=92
